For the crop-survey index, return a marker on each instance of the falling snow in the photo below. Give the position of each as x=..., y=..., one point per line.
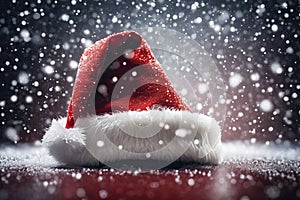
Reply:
x=23, y=78
x=181, y=132
x=266, y=105
x=254, y=46
x=12, y=134
x=48, y=69
x=235, y=80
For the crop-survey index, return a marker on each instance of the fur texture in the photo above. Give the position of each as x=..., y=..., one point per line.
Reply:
x=156, y=134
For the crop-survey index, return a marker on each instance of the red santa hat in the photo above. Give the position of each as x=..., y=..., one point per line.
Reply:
x=119, y=90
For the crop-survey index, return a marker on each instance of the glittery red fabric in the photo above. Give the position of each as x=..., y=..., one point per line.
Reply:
x=120, y=73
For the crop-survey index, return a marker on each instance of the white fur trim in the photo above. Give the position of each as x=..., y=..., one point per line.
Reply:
x=178, y=128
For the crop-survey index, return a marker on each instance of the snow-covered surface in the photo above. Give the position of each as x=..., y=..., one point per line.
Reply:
x=38, y=156
x=240, y=150
x=26, y=155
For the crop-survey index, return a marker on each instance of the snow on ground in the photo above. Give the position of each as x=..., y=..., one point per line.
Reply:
x=38, y=156
x=26, y=155
x=241, y=150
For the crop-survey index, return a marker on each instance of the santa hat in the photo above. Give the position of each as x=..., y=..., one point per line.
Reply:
x=123, y=106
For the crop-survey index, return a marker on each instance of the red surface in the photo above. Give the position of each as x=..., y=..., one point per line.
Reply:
x=105, y=60
x=254, y=179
